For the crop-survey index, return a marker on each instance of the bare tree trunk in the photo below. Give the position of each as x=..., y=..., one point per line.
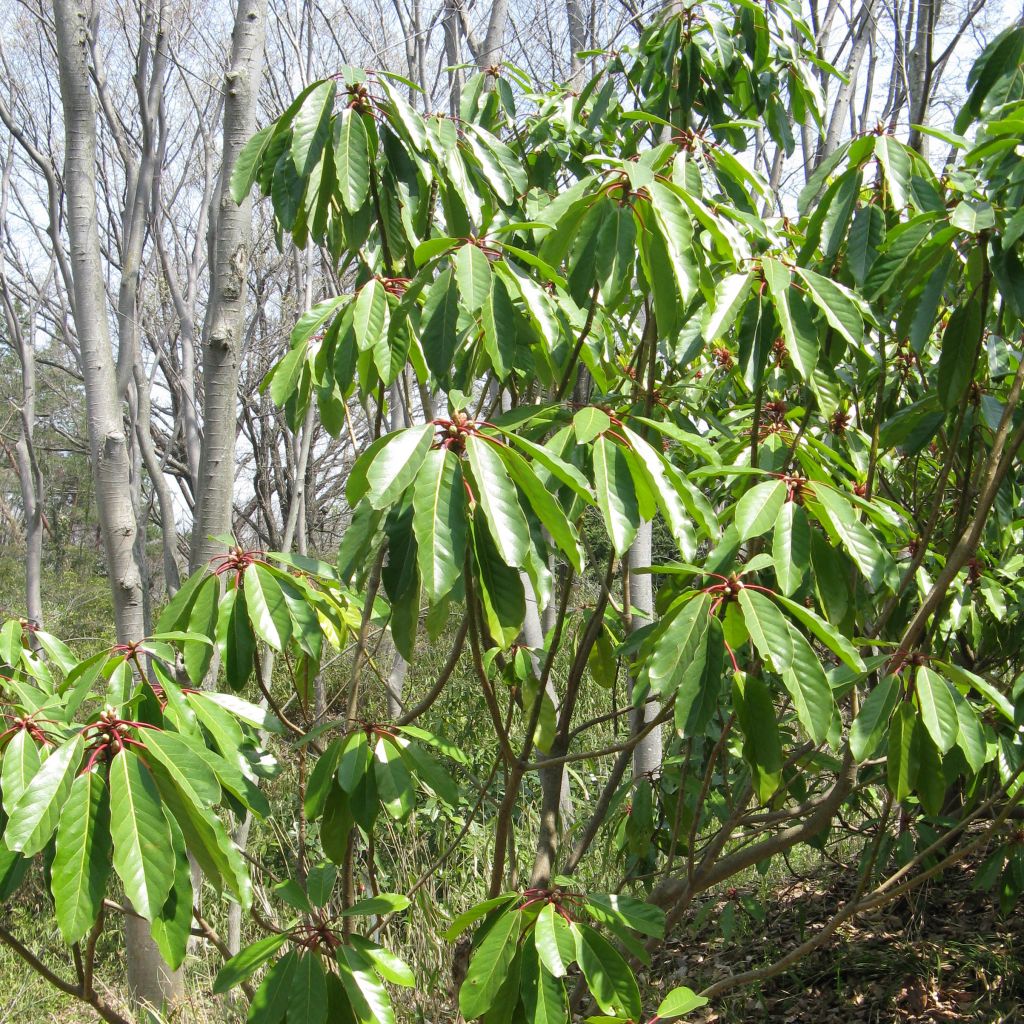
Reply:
x=647, y=754
x=149, y=978
x=577, y=41
x=229, y=236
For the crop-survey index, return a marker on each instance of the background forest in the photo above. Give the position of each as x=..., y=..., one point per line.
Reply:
x=533, y=487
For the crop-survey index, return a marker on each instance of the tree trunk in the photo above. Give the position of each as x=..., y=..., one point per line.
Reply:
x=149, y=978
x=229, y=236
x=647, y=754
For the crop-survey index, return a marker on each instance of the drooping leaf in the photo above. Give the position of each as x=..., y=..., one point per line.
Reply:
x=489, y=965
x=143, y=855
x=81, y=864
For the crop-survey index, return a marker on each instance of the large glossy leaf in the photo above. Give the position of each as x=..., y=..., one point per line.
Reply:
x=767, y=628
x=543, y=994
x=679, y=1002
x=81, y=864
x=439, y=522
x=828, y=634
x=472, y=277
x=791, y=547
x=270, y=1003
x=143, y=856
x=809, y=689
x=555, y=943
x=191, y=774
x=616, y=497
x=608, y=977
x=475, y=913
x=34, y=817
x=873, y=719
x=758, y=509
x=675, y=644
x=755, y=712
x=836, y=303
x=938, y=711
x=21, y=762
x=874, y=562
x=385, y=963
x=389, y=466
x=266, y=606
x=351, y=159
x=489, y=964
x=902, y=765
x=497, y=498
x=311, y=126
x=545, y=506
x=439, y=336
x=618, y=909
x=308, y=1002
x=246, y=962
x=366, y=994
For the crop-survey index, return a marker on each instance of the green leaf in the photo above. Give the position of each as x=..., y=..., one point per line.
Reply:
x=439, y=522
x=272, y=998
x=308, y=1000
x=385, y=963
x=351, y=159
x=247, y=962
x=870, y=724
x=768, y=629
x=609, y=979
x=901, y=765
x=143, y=855
x=895, y=161
x=637, y=915
x=310, y=127
x=389, y=466
x=680, y=1001
x=37, y=812
x=394, y=785
x=370, y=315
x=374, y=906
x=957, y=353
x=368, y=997
x=791, y=547
x=500, y=327
x=172, y=927
x=762, y=747
x=21, y=762
x=874, y=563
x=243, y=174
x=266, y=607
x=468, y=917
x=938, y=711
x=676, y=643
x=545, y=506
x=497, y=498
x=472, y=277
x=489, y=965
x=81, y=864
x=613, y=485
x=193, y=777
x=556, y=946
x=758, y=509
x=837, y=303
x=809, y=689
x=800, y=337
x=831, y=637
x=439, y=335
x=590, y=423
x=543, y=995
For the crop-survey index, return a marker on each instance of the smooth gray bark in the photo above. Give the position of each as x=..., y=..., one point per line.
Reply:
x=149, y=978
x=229, y=236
